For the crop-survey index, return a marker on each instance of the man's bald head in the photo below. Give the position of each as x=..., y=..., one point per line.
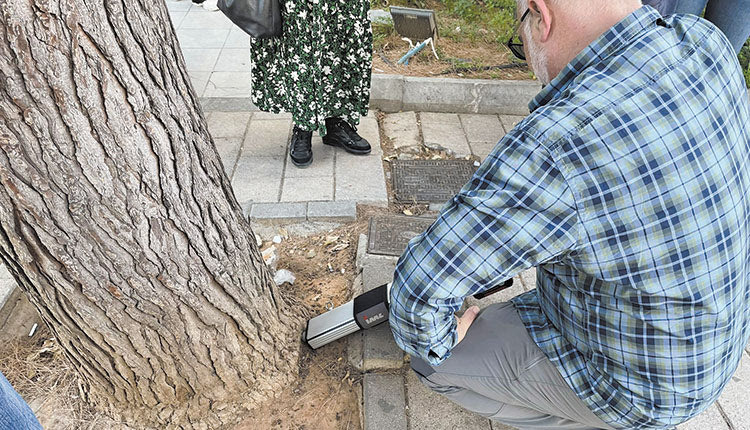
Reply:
x=555, y=31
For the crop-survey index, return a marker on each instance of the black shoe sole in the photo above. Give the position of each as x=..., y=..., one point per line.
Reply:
x=301, y=165
x=347, y=149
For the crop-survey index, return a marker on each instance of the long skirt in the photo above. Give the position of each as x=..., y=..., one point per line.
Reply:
x=319, y=67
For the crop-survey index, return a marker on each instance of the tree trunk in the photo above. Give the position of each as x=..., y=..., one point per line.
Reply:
x=118, y=222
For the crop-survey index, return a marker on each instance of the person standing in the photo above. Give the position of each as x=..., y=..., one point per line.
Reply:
x=319, y=70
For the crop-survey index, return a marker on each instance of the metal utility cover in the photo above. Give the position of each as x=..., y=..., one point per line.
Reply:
x=390, y=234
x=430, y=181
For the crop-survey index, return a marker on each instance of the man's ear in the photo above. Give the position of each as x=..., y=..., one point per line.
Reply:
x=541, y=19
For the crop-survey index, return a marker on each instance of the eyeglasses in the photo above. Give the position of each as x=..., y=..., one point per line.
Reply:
x=517, y=48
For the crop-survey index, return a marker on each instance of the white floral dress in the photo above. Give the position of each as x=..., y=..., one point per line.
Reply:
x=319, y=67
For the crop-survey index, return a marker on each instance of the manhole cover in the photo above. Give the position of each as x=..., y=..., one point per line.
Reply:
x=389, y=235
x=430, y=181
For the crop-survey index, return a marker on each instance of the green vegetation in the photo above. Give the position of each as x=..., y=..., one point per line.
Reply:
x=745, y=62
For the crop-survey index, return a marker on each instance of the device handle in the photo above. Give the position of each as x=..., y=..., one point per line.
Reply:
x=505, y=285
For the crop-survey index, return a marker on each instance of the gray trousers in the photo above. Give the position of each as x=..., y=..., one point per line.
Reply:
x=497, y=371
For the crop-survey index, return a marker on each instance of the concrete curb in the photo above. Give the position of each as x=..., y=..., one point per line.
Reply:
x=395, y=93
x=294, y=212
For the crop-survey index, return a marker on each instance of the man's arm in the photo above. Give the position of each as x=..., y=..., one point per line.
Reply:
x=517, y=212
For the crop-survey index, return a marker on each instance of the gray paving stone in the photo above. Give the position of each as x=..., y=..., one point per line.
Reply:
x=401, y=128
x=343, y=211
x=228, y=124
x=446, y=135
x=203, y=19
x=200, y=59
x=266, y=138
x=257, y=179
x=439, y=118
x=510, y=121
x=238, y=39
x=175, y=5
x=360, y=179
x=322, y=165
x=233, y=60
x=176, y=17
x=201, y=38
x=384, y=402
x=431, y=411
x=7, y=285
x=482, y=128
x=307, y=189
x=734, y=399
x=271, y=115
x=711, y=419
x=377, y=270
x=380, y=350
x=387, y=92
x=369, y=129
x=228, y=84
x=528, y=278
x=355, y=343
x=507, y=97
x=361, y=250
x=229, y=151
x=228, y=104
x=279, y=212
x=500, y=426
x=199, y=81
x=482, y=149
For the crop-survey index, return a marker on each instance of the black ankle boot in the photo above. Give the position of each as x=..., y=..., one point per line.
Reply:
x=340, y=133
x=300, y=149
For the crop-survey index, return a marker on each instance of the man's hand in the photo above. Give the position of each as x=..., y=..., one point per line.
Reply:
x=465, y=321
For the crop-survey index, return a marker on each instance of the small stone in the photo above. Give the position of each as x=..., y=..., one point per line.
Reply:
x=311, y=253
x=406, y=157
x=277, y=239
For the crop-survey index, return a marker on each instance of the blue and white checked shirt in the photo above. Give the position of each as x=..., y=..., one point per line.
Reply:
x=627, y=188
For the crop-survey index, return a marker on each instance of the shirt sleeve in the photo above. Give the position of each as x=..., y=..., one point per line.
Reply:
x=516, y=212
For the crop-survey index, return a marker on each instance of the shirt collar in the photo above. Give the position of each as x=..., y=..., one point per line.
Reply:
x=612, y=40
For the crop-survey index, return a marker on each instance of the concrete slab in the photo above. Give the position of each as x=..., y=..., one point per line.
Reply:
x=233, y=60
x=387, y=92
x=279, y=212
x=228, y=124
x=257, y=179
x=360, y=179
x=734, y=399
x=199, y=81
x=266, y=138
x=380, y=350
x=377, y=270
x=200, y=59
x=305, y=189
x=401, y=128
x=448, y=136
x=175, y=5
x=510, y=121
x=528, y=278
x=228, y=104
x=384, y=402
x=361, y=250
x=711, y=418
x=431, y=411
x=202, y=38
x=203, y=19
x=439, y=118
x=229, y=151
x=482, y=128
x=228, y=84
x=368, y=128
x=271, y=115
x=238, y=39
x=343, y=211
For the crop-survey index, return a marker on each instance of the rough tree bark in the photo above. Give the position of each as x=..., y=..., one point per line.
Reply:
x=118, y=222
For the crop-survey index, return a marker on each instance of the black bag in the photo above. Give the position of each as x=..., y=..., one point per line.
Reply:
x=258, y=18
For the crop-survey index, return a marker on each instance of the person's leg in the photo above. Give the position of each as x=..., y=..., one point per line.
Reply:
x=497, y=371
x=733, y=18
x=694, y=7
x=15, y=414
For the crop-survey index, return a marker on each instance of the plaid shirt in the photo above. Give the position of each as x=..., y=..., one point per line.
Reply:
x=627, y=188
